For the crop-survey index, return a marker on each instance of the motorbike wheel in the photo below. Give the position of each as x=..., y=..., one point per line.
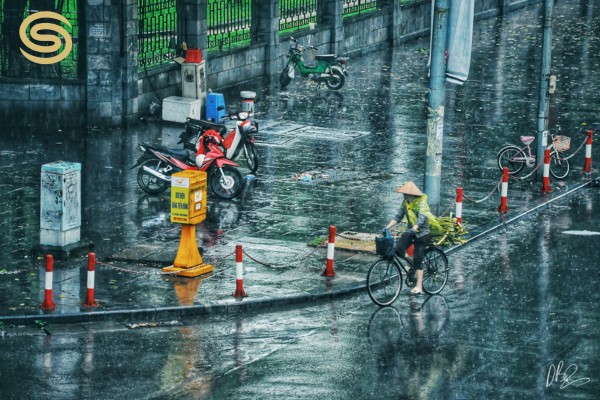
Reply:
x=285, y=78
x=148, y=182
x=336, y=80
x=251, y=156
x=227, y=184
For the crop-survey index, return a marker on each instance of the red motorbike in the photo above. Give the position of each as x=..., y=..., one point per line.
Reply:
x=238, y=141
x=158, y=163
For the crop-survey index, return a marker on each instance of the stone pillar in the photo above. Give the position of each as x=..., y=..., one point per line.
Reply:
x=395, y=23
x=60, y=204
x=196, y=34
x=112, y=61
x=100, y=62
x=264, y=29
x=129, y=55
x=330, y=16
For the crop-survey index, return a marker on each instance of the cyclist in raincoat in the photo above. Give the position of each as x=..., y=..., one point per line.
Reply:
x=422, y=227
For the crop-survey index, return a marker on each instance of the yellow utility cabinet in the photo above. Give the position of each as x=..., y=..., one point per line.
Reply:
x=188, y=207
x=188, y=197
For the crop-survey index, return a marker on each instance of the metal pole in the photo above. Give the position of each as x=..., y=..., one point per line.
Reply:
x=544, y=100
x=437, y=94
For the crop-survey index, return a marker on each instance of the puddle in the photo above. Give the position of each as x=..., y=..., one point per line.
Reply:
x=581, y=233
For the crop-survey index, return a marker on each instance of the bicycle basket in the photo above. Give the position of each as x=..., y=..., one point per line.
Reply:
x=384, y=246
x=562, y=143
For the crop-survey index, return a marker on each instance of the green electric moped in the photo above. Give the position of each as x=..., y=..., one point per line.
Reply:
x=328, y=68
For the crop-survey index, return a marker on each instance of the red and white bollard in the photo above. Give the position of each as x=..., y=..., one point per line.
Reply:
x=329, y=272
x=91, y=276
x=239, y=273
x=587, y=167
x=546, y=179
x=459, y=199
x=48, y=304
x=504, y=192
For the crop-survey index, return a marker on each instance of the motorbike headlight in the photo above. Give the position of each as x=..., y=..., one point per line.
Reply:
x=243, y=115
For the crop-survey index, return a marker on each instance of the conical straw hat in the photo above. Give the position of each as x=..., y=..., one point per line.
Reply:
x=409, y=188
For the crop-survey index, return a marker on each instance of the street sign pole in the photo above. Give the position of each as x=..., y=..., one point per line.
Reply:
x=544, y=100
x=437, y=94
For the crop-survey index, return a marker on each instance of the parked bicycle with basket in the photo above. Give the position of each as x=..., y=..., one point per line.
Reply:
x=516, y=158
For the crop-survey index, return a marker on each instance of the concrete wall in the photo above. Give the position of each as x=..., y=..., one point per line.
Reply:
x=114, y=92
x=25, y=103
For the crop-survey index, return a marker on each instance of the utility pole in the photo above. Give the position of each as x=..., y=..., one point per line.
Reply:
x=437, y=94
x=544, y=100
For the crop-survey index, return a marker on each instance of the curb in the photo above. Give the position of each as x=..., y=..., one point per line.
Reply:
x=159, y=313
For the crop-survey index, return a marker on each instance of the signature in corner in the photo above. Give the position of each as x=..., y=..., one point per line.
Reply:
x=565, y=378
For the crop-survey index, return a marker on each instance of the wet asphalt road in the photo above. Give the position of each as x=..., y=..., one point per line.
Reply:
x=524, y=324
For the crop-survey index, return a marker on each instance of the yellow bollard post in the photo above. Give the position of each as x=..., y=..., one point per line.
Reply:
x=188, y=207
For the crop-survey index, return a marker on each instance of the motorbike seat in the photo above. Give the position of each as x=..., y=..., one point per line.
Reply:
x=180, y=154
x=200, y=123
x=326, y=57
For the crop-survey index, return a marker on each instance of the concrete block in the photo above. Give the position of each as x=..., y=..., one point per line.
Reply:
x=73, y=93
x=99, y=93
x=14, y=92
x=104, y=78
x=44, y=92
x=104, y=109
x=99, y=62
x=177, y=109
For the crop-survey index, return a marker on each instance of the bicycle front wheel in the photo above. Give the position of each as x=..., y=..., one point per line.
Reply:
x=435, y=270
x=559, y=165
x=384, y=281
x=513, y=158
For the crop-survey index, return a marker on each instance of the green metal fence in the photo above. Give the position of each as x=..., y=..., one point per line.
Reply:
x=13, y=64
x=228, y=23
x=296, y=15
x=158, y=39
x=354, y=8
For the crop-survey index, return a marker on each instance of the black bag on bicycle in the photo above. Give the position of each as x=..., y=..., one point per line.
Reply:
x=385, y=246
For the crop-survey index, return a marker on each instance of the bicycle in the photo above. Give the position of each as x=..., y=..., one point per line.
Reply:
x=384, y=278
x=515, y=158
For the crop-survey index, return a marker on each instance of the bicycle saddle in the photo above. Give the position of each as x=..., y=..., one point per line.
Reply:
x=527, y=139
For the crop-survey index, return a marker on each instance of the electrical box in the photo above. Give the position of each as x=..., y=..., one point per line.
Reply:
x=188, y=197
x=60, y=205
x=178, y=109
x=193, y=81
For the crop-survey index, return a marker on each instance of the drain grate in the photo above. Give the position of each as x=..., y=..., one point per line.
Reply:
x=284, y=133
x=314, y=177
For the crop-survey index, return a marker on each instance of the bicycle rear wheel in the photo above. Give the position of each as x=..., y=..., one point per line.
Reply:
x=435, y=270
x=559, y=165
x=384, y=281
x=513, y=158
